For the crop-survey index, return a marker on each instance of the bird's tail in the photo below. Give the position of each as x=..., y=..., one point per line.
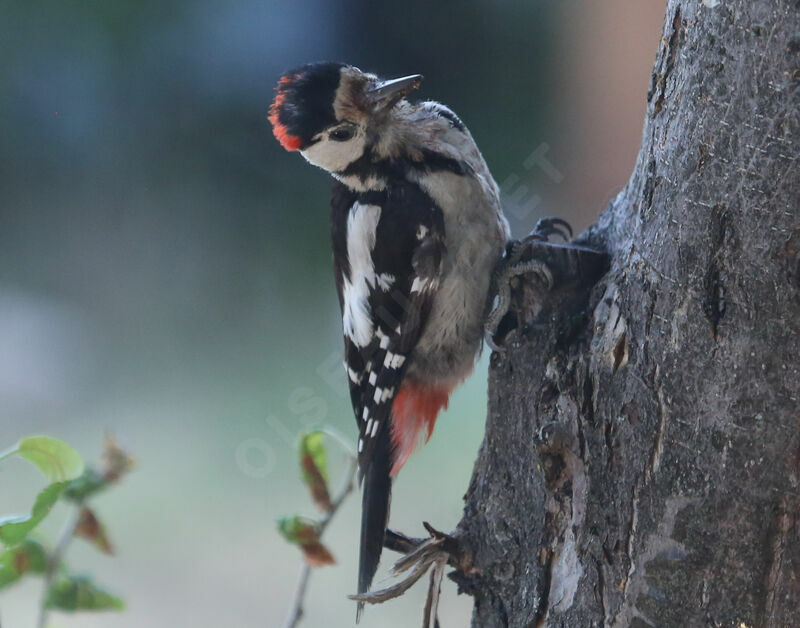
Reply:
x=375, y=500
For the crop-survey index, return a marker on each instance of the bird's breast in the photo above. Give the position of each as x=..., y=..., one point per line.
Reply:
x=475, y=235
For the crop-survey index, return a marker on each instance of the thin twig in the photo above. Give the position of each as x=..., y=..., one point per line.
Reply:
x=296, y=610
x=54, y=561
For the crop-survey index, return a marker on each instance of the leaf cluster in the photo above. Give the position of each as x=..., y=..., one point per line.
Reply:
x=70, y=481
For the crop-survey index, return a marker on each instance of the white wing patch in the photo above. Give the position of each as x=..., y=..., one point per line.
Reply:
x=384, y=338
x=353, y=375
x=422, y=284
x=393, y=360
x=385, y=281
x=356, y=317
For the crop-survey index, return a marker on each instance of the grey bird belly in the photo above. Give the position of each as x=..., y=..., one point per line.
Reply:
x=475, y=234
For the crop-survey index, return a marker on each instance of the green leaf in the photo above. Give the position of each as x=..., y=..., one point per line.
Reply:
x=299, y=530
x=28, y=557
x=74, y=593
x=14, y=528
x=312, y=445
x=314, y=468
x=58, y=461
x=90, y=482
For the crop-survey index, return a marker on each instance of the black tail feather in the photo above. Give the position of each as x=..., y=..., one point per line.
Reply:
x=377, y=492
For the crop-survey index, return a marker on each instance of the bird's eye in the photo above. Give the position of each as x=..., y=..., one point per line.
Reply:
x=342, y=133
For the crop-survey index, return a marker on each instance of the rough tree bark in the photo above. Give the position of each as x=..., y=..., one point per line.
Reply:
x=641, y=464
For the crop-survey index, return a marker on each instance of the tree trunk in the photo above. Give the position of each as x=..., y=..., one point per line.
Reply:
x=641, y=463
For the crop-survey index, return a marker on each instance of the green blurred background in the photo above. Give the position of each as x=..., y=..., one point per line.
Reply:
x=165, y=267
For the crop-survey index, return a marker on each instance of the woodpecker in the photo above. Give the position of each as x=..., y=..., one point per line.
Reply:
x=417, y=231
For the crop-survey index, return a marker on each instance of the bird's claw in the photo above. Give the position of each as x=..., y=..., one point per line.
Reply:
x=511, y=266
x=550, y=226
x=488, y=337
x=419, y=555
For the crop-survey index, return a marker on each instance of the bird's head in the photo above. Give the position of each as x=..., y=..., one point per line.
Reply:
x=334, y=114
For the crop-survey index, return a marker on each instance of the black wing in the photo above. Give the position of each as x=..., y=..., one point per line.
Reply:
x=401, y=273
x=406, y=260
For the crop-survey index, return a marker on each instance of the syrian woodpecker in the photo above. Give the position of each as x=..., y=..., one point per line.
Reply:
x=417, y=232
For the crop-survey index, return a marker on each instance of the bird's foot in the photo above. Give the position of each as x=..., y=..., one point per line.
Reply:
x=550, y=226
x=512, y=266
x=419, y=555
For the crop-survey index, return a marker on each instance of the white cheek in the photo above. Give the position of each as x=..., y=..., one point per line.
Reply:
x=334, y=156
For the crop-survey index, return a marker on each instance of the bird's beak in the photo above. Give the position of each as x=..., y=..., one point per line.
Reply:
x=385, y=94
